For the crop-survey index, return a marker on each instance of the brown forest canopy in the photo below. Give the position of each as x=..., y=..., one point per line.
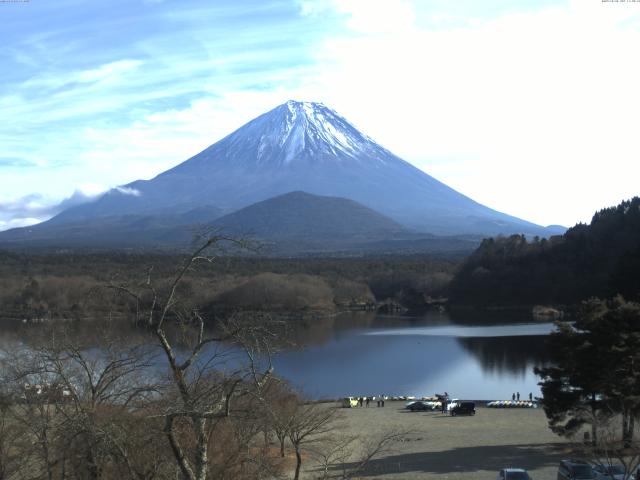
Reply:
x=66, y=284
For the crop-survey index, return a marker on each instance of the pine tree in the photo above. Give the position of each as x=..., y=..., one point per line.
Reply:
x=597, y=369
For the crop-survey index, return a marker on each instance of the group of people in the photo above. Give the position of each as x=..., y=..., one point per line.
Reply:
x=516, y=396
x=364, y=401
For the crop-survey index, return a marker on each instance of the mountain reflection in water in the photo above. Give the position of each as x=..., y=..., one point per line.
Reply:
x=514, y=355
x=369, y=354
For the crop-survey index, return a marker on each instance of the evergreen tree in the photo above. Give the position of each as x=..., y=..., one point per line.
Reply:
x=599, y=259
x=597, y=369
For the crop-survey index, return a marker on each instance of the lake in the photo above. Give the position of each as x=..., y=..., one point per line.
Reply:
x=470, y=355
x=356, y=355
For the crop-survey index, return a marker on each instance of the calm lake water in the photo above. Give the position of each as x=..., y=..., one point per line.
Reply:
x=470, y=355
x=372, y=355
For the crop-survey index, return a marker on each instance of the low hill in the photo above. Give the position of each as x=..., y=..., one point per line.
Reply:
x=298, y=222
x=115, y=231
x=600, y=259
x=301, y=215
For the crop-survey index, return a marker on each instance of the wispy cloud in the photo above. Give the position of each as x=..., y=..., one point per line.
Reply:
x=108, y=72
x=14, y=162
x=473, y=92
x=64, y=115
x=128, y=191
x=35, y=208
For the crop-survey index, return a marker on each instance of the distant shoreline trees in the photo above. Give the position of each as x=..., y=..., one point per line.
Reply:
x=596, y=260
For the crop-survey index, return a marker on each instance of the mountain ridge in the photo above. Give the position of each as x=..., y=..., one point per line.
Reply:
x=301, y=146
x=296, y=223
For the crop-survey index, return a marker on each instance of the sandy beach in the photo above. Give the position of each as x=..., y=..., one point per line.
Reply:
x=462, y=447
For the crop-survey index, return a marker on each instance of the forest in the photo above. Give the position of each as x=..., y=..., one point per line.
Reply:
x=601, y=259
x=70, y=285
x=199, y=403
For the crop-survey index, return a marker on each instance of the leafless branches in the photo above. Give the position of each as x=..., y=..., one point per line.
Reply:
x=198, y=400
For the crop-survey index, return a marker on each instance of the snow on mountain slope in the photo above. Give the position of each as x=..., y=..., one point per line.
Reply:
x=293, y=132
x=304, y=146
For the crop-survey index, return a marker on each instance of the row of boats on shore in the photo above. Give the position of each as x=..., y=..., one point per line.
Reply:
x=435, y=402
x=511, y=404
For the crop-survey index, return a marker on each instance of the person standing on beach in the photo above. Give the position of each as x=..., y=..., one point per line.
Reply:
x=382, y=400
x=513, y=397
x=530, y=397
x=518, y=396
x=378, y=401
x=361, y=400
x=367, y=401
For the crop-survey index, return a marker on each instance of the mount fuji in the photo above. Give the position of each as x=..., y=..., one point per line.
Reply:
x=297, y=146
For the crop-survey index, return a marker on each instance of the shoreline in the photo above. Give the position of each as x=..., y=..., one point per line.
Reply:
x=437, y=447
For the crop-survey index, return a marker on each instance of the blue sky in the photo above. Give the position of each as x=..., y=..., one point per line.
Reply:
x=526, y=106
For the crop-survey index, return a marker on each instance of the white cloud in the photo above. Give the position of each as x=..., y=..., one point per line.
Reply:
x=18, y=222
x=35, y=208
x=378, y=16
x=365, y=16
x=90, y=189
x=128, y=191
x=111, y=71
x=538, y=109
x=530, y=113
x=108, y=70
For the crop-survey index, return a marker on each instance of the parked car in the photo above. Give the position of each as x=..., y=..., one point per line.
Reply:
x=349, y=402
x=513, y=474
x=420, y=406
x=463, y=408
x=611, y=472
x=575, y=470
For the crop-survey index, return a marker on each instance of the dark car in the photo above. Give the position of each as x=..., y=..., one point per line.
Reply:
x=415, y=406
x=513, y=474
x=575, y=470
x=464, y=408
x=612, y=472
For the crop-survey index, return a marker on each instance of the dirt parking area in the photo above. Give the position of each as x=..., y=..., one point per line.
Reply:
x=462, y=447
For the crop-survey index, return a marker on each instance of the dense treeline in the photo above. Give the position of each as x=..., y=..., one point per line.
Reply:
x=197, y=403
x=71, y=285
x=600, y=259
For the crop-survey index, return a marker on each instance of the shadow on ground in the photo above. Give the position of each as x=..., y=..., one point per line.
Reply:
x=465, y=460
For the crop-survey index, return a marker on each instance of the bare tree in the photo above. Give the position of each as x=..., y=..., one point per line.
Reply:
x=77, y=403
x=12, y=438
x=192, y=405
x=279, y=405
x=611, y=447
x=27, y=381
x=310, y=424
x=202, y=389
x=348, y=456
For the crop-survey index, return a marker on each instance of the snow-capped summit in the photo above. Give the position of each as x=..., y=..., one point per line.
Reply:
x=294, y=132
x=306, y=147
x=319, y=130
